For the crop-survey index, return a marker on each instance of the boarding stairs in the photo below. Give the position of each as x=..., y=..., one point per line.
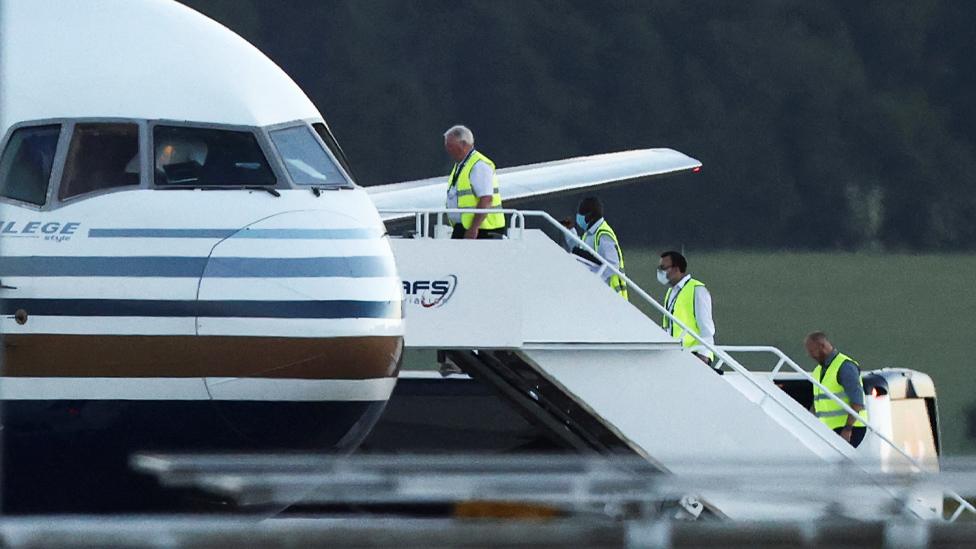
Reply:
x=525, y=317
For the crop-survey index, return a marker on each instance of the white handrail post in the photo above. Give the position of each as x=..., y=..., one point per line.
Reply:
x=778, y=366
x=963, y=506
x=956, y=513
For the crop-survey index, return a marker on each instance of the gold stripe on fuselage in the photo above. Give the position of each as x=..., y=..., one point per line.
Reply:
x=48, y=355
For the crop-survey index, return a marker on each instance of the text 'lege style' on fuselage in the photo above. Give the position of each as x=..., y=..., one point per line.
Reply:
x=187, y=262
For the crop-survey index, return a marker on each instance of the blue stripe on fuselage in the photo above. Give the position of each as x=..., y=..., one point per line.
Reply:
x=209, y=309
x=317, y=234
x=216, y=267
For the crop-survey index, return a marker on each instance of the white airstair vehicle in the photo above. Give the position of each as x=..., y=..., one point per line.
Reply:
x=522, y=315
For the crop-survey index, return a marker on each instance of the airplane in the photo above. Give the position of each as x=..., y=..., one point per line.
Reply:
x=185, y=260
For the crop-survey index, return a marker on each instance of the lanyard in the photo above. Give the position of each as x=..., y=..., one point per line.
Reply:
x=458, y=168
x=670, y=306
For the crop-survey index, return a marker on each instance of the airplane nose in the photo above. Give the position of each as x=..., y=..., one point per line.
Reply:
x=302, y=307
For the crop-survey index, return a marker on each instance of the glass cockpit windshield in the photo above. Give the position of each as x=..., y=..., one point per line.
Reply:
x=305, y=159
x=101, y=156
x=25, y=166
x=207, y=157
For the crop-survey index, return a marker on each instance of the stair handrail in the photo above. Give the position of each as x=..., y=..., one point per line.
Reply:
x=517, y=224
x=785, y=359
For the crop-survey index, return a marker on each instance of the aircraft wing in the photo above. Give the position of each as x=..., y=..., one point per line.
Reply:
x=535, y=180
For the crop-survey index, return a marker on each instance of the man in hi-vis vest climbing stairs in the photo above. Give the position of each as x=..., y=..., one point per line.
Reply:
x=841, y=375
x=597, y=234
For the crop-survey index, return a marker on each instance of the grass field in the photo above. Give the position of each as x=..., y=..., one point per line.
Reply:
x=885, y=310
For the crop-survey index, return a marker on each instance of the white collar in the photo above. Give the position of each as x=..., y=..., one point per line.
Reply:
x=681, y=283
x=596, y=225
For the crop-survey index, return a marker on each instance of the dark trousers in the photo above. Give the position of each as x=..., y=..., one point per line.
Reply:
x=459, y=231
x=709, y=361
x=857, y=434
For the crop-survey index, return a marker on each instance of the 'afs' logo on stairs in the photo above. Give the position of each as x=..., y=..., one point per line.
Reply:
x=430, y=294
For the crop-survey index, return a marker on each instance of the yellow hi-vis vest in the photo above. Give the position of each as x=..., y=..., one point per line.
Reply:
x=683, y=309
x=616, y=283
x=826, y=409
x=466, y=197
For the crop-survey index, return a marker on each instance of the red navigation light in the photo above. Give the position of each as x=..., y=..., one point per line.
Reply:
x=696, y=169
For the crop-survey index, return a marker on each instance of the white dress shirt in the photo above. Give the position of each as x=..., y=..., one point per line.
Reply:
x=606, y=250
x=703, y=308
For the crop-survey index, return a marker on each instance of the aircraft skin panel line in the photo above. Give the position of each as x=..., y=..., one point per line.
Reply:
x=216, y=267
x=163, y=388
x=261, y=289
x=336, y=309
x=293, y=248
x=299, y=328
x=274, y=234
x=201, y=247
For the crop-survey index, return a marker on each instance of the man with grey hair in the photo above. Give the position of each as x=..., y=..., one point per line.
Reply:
x=472, y=184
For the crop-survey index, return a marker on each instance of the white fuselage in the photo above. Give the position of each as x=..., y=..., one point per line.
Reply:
x=183, y=270
x=185, y=261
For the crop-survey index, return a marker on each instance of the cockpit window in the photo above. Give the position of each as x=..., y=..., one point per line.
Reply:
x=101, y=156
x=305, y=159
x=25, y=167
x=206, y=157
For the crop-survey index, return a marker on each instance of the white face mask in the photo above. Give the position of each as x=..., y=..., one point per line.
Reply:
x=662, y=277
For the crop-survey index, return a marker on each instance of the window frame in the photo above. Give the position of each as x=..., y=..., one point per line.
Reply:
x=146, y=161
x=282, y=181
x=61, y=156
x=280, y=160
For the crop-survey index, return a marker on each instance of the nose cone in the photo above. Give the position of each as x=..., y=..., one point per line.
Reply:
x=305, y=306
x=320, y=286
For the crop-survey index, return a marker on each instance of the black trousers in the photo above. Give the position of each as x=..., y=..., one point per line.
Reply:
x=857, y=434
x=459, y=231
x=709, y=361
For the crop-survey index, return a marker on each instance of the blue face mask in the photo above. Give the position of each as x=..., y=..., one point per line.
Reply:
x=581, y=221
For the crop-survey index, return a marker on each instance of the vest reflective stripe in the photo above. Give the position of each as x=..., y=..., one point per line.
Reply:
x=683, y=309
x=616, y=283
x=829, y=412
x=467, y=198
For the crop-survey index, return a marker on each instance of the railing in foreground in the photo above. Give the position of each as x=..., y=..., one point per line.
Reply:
x=516, y=230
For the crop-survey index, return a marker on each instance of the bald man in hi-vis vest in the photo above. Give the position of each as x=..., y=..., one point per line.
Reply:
x=841, y=375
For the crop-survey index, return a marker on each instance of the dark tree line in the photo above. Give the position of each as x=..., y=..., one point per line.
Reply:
x=829, y=124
